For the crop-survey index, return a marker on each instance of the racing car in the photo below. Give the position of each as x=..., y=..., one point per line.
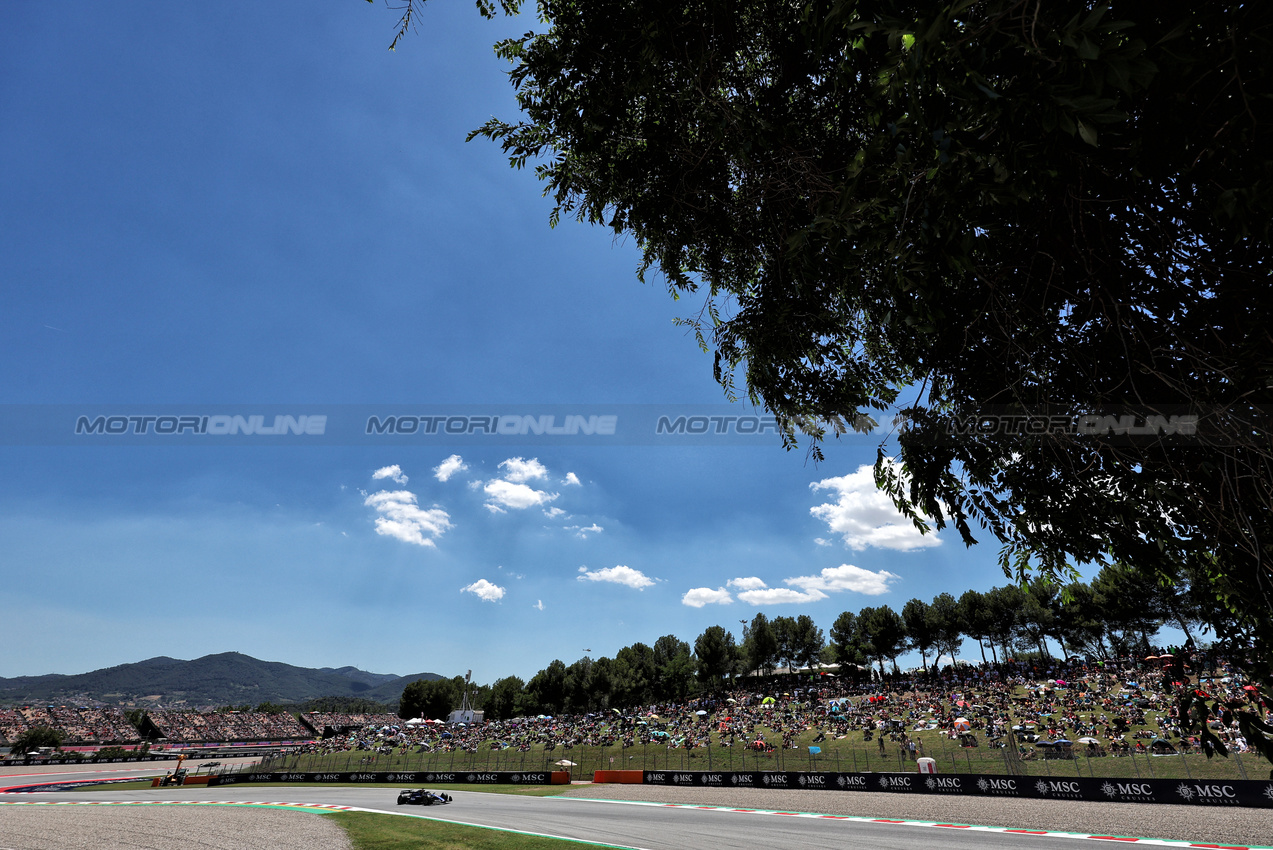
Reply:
x=421, y=797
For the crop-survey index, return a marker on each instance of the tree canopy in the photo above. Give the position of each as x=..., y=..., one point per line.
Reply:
x=1040, y=230
x=957, y=208
x=36, y=737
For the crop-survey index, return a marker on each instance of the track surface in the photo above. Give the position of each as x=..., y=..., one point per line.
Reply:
x=645, y=826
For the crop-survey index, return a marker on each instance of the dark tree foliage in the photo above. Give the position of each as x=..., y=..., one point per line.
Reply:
x=431, y=699
x=847, y=642
x=716, y=654
x=30, y=740
x=961, y=207
x=921, y=627
x=760, y=644
x=341, y=705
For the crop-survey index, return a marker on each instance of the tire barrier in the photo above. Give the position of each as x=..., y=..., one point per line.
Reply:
x=419, y=777
x=1193, y=792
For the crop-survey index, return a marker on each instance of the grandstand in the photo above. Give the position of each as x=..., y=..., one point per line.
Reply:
x=101, y=726
x=230, y=727
x=325, y=724
x=81, y=726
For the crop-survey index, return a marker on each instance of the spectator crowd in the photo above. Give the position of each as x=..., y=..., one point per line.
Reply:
x=1097, y=709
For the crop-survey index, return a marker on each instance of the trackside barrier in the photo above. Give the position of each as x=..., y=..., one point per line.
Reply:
x=623, y=777
x=459, y=777
x=1234, y=792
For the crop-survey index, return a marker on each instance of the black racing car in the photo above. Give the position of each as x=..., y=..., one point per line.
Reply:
x=421, y=797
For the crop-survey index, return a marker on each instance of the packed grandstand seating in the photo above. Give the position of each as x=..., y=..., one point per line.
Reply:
x=195, y=726
x=321, y=721
x=83, y=726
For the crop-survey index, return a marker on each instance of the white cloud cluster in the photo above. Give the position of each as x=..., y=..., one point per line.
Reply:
x=801, y=589
x=453, y=464
x=763, y=595
x=512, y=491
x=403, y=519
x=583, y=532
x=572, y=480
x=699, y=596
x=501, y=494
x=394, y=472
x=519, y=470
x=863, y=516
x=845, y=577
x=625, y=576
x=485, y=590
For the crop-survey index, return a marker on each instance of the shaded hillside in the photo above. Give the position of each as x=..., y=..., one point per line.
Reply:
x=228, y=678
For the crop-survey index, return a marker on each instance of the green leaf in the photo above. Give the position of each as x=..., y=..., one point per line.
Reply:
x=1087, y=133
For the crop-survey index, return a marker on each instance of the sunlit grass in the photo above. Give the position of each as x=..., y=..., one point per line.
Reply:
x=368, y=831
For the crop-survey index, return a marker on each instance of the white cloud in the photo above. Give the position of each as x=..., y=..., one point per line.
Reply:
x=584, y=531
x=483, y=589
x=539, y=605
x=750, y=583
x=822, y=541
x=518, y=470
x=444, y=470
x=394, y=472
x=699, y=596
x=780, y=596
x=846, y=577
x=553, y=513
x=571, y=478
x=625, y=576
x=506, y=494
x=863, y=516
x=401, y=518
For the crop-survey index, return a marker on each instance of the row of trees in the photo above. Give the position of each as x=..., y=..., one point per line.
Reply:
x=1116, y=614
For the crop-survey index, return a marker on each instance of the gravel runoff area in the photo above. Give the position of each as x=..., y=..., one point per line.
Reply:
x=1218, y=825
x=165, y=827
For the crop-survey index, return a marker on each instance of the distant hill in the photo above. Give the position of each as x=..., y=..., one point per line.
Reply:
x=228, y=678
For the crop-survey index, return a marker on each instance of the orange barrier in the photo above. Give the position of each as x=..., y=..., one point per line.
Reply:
x=560, y=777
x=622, y=777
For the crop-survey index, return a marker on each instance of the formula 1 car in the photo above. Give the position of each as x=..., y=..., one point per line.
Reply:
x=421, y=797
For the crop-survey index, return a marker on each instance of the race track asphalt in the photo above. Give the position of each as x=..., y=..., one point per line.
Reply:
x=682, y=826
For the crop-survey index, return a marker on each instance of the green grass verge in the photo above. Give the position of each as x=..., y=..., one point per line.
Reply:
x=368, y=831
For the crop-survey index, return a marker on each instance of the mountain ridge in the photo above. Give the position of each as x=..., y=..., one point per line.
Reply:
x=225, y=678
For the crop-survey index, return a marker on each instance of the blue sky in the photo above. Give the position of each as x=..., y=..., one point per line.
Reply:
x=228, y=205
